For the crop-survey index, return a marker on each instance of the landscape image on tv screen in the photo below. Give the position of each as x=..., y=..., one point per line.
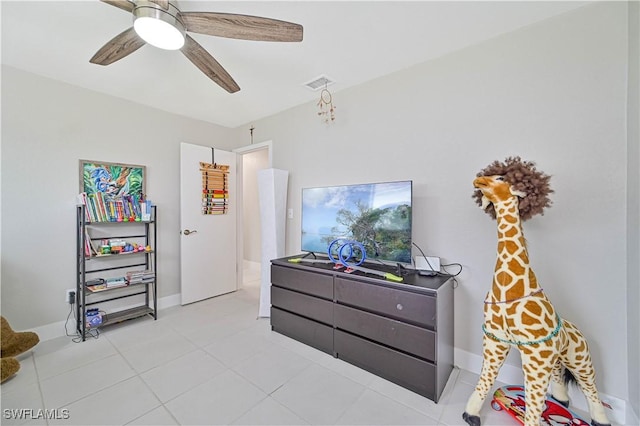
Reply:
x=378, y=215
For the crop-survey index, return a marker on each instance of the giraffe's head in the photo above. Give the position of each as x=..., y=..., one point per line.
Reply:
x=513, y=178
x=495, y=189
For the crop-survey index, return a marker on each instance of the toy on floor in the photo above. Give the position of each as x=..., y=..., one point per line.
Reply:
x=516, y=310
x=511, y=399
x=12, y=344
x=9, y=366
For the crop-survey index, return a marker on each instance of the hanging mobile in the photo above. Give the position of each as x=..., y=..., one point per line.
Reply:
x=326, y=106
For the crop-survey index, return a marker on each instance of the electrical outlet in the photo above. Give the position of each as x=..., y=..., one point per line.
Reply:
x=70, y=296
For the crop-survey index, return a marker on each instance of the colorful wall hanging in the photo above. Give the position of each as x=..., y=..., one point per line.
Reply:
x=215, y=193
x=112, y=179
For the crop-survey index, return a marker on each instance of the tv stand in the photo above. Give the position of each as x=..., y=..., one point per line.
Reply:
x=309, y=253
x=402, y=332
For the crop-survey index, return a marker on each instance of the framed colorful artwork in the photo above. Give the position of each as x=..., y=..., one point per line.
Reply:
x=112, y=179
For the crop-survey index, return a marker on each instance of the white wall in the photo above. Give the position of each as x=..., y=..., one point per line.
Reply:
x=554, y=93
x=251, y=163
x=47, y=126
x=633, y=200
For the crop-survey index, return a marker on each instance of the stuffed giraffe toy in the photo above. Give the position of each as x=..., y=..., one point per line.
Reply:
x=516, y=310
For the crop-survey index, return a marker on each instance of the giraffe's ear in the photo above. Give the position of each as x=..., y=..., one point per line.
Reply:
x=517, y=193
x=485, y=202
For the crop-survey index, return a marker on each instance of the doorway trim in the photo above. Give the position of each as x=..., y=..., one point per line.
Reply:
x=268, y=145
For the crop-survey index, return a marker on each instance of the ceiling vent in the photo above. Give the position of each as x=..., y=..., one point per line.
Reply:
x=319, y=82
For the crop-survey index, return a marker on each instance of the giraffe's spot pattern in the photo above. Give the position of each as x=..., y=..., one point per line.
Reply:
x=511, y=247
x=511, y=232
x=527, y=319
x=516, y=267
x=534, y=308
x=504, y=278
x=517, y=290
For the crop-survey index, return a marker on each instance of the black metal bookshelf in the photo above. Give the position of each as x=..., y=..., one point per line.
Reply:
x=98, y=265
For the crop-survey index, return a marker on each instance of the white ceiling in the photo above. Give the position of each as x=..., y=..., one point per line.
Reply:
x=351, y=42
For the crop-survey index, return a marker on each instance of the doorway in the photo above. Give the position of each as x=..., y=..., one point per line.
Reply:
x=253, y=158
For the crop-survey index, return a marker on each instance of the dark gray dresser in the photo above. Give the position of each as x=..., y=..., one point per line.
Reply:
x=402, y=332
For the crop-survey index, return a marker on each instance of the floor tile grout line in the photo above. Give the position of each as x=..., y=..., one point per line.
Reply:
x=344, y=411
x=193, y=387
x=75, y=367
x=404, y=404
x=266, y=395
x=35, y=367
x=92, y=393
x=155, y=366
x=155, y=408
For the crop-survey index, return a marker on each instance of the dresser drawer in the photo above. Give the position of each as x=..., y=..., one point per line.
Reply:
x=301, y=304
x=402, y=305
x=404, y=370
x=404, y=337
x=304, y=330
x=307, y=282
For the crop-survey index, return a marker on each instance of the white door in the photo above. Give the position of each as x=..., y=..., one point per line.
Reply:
x=208, y=243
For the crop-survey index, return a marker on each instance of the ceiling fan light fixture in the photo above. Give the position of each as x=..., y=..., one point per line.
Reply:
x=158, y=27
x=162, y=24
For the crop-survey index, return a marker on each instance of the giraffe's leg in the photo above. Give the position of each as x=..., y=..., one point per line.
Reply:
x=578, y=360
x=559, y=388
x=493, y=355
x=537, y=373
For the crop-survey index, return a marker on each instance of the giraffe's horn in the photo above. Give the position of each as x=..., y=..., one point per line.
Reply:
x=518, y=193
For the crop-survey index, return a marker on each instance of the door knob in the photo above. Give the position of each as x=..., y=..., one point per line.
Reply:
x=187, y=232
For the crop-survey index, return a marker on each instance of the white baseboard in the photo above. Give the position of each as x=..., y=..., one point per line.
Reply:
x=620, y=413
x=57, y=329
x=169, y=301
x=631, y=417
x=250, y=265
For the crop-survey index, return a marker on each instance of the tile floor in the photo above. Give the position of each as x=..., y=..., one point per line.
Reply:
x=213, y=363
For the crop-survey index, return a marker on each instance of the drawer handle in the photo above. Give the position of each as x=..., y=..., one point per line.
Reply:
x=399, y=306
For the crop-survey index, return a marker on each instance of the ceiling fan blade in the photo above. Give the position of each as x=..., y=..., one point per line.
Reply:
x=208, y=65
x=243, y=27
x=162, y=3
x=118, y=47
x=122, y=4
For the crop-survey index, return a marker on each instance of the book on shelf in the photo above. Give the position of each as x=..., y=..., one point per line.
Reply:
x=82, y=200
x=116, y=282
x=140, y=277
x=94, y=282
x=96, y=288
x=99, y=196
x=89, y=248
x=100, y=207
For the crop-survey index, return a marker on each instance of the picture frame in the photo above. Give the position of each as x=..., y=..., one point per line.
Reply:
x=112, y=179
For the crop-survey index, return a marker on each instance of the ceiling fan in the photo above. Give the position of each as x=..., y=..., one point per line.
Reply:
x=162, y=24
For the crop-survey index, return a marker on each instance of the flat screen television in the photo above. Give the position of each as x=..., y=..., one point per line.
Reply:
x=378, y=215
